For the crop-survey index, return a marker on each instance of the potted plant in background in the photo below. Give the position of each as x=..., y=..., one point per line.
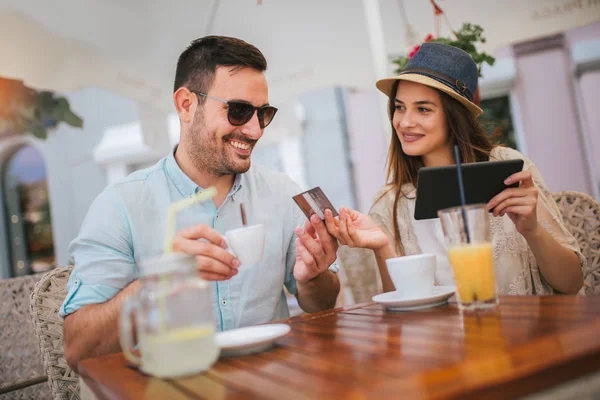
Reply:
x=25, y=110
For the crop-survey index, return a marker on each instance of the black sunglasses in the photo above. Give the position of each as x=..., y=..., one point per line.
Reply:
x=238, y=113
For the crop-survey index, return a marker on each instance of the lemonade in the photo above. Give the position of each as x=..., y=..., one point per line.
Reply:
x=473, y=267
x=178, y=352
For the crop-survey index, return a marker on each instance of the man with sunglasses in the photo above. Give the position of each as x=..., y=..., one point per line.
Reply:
x=221, y=97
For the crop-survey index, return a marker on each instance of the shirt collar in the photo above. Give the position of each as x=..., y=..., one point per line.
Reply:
x=184, y=184
x=237, y=184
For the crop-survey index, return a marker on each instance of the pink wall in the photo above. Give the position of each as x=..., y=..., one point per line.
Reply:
x=548, y=110
x=589, y=88
x=588, y=32
x=589, y=84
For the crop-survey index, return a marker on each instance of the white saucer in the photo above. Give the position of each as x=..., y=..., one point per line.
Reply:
x=395, y=301
x=252, y=339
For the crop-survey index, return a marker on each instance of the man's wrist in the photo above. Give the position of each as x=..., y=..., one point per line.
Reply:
x=314, y=281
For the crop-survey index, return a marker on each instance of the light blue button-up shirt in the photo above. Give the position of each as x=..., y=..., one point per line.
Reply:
x=126, y=224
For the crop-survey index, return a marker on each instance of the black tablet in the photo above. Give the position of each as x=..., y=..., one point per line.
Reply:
x=437, y=187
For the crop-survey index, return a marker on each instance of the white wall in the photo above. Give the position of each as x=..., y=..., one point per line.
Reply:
x=321, y=45
x=74, y=179
x=368, y=144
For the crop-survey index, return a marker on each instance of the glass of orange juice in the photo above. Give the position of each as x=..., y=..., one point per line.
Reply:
x=468, y=240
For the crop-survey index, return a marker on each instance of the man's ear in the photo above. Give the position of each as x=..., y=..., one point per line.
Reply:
x=184, y=104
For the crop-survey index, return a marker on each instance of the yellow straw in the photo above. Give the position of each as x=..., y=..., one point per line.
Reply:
x=180, y=206
x=172, y=211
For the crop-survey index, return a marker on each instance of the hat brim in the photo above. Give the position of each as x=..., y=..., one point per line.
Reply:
x=386, y=86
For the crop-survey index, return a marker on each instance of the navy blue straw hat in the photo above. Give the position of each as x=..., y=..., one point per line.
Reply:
x=443, y=67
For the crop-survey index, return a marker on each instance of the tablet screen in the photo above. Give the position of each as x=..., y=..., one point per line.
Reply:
x=437, y=187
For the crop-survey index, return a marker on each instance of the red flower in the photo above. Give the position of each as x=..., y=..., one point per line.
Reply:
x=414, y=51
x=417, y=47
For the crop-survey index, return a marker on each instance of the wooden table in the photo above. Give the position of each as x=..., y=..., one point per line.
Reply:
x=524, y=345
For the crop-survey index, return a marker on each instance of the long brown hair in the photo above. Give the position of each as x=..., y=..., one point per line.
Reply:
x=463, y=129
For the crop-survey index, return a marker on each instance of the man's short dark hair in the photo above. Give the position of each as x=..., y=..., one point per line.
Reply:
x=197, y=64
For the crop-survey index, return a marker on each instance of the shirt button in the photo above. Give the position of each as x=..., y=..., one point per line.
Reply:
x=224, y=302
x=217, y=217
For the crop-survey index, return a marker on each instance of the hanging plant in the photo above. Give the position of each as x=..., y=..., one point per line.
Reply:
x=24, y=110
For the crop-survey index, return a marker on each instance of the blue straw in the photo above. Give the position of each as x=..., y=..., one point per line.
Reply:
x=461, y=189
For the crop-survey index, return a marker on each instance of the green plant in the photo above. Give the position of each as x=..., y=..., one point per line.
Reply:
x=25, y=110
x=466, y=39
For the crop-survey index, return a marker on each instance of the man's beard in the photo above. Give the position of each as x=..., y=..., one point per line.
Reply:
x=210, y=153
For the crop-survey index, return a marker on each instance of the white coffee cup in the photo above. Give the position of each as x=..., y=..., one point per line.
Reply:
x=413, y=276
x=247, y=243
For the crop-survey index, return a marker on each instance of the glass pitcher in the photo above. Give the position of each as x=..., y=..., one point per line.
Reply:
x=173, y=319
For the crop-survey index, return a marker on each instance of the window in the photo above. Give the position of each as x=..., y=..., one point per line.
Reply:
x=498, y=121
x=27, y=207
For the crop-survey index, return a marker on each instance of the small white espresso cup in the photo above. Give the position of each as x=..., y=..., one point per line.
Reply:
x=413, y=276
x=247, y=243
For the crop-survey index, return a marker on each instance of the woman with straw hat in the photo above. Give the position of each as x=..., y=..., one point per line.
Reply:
x=431, y=109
